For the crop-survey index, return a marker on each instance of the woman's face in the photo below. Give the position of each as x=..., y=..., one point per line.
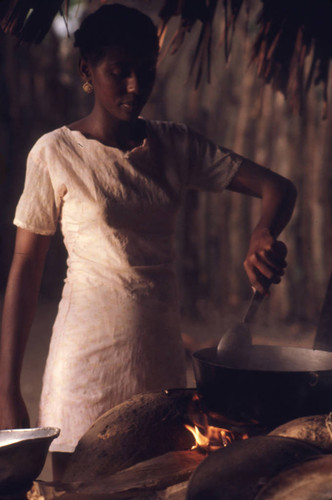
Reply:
x=122, y=82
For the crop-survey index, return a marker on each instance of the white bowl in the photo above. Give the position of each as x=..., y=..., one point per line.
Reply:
x=22, y=455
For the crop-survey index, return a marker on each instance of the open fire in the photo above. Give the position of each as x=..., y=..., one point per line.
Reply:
x=209, y=438
x=146, y=436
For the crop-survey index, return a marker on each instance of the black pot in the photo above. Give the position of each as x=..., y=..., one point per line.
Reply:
x=272, y=386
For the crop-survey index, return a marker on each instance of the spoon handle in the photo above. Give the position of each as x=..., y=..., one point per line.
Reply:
x=255, y=302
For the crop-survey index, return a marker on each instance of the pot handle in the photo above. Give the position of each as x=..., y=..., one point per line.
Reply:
x=313, y=379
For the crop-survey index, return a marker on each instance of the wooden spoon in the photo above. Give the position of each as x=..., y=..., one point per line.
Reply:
x=237, y=339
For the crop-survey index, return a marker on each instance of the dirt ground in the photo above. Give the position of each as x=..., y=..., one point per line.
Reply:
x=195, y=335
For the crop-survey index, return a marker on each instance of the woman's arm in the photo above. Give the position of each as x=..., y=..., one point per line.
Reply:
x=265, y=259
x=18, y=313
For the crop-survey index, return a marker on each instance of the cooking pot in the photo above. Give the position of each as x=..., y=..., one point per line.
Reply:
x=272, y=384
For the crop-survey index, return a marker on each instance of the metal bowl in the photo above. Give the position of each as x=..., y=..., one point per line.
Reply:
x=22, y=455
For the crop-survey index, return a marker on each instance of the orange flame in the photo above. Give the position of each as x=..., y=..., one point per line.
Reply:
x=208, y=437
x=213, y=438
x=200, y=439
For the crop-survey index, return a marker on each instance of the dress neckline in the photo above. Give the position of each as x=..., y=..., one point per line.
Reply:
x=83, y=138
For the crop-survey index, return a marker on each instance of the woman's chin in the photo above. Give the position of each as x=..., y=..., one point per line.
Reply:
x=130, y=112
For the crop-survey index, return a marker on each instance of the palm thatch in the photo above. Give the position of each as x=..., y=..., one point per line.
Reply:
x=290, y=33
x=199, y=10
x=30, y=20
x=189, y=13
x=292, y=50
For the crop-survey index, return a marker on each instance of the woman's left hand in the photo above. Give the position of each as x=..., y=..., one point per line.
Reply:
x=265, y=261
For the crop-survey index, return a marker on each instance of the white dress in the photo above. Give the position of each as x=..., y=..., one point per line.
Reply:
x=117, y=329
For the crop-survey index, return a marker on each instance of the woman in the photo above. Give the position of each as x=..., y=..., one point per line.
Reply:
x=115, y=182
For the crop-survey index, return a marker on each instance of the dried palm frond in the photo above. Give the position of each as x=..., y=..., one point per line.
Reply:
x=231, y=11
x=289, y=32
x=30, y=20
x=189, y=12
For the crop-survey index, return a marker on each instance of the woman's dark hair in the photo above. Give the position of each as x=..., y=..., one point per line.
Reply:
x=112, y=25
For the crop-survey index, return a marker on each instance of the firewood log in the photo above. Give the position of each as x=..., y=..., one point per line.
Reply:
x=240, y=470
x=151, y=479
x=316, y=430
x=145, y=426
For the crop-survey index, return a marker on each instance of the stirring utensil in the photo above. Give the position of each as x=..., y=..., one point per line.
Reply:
x=237, y=339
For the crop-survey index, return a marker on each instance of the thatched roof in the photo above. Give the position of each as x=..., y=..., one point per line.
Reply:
x=29, y=20
x=293, y=34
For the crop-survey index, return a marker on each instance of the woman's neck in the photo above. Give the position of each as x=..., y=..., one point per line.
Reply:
x=124, y=135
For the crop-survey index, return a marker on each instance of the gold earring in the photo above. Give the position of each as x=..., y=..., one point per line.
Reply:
x=87, y=87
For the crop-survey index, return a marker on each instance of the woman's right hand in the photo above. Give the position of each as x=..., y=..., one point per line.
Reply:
x=265, y=261
x=13, y=412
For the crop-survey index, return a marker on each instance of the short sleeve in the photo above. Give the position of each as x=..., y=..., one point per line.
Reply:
x=211, y=167
x=37, y=210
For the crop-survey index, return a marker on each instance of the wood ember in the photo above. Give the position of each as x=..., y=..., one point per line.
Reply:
x=145, y=426
x=316, y=430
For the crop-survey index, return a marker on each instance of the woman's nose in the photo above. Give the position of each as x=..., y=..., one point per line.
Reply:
x=132, y=84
